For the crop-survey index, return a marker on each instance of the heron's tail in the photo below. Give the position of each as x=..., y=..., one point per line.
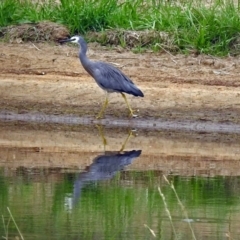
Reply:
x=134, y=90
x=133, y=153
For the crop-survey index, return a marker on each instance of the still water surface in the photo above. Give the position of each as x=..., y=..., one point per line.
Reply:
x=60, y=183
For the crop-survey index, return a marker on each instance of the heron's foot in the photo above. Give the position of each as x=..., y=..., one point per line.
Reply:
x=133, y=132
x=99, y=116
x=132, y=113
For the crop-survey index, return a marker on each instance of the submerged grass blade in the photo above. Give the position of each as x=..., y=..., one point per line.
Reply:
x=5, y=228
x=151, y=231
x=15, y=223
x=167, y=211
x=182, y=206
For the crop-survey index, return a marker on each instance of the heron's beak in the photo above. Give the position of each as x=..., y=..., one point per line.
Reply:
x=66, y=40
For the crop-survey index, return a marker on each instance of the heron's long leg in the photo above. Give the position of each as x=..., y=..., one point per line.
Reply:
x=130, y=134
x=101, y=133
x=103, y=107
x=129, y=107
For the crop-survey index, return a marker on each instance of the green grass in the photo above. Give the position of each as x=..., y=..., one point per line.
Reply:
x=211, y=29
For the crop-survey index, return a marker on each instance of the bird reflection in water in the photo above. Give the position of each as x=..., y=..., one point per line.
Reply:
x=104, y=166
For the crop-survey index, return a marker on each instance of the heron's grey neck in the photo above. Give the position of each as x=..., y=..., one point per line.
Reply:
x=82, y=53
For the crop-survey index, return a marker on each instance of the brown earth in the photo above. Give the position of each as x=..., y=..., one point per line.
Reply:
x=59, y=147
x=49, y=78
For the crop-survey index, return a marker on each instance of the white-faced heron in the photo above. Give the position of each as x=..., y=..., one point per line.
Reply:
x=108, y=77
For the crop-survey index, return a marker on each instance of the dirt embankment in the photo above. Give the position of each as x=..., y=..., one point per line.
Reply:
x=49, y=78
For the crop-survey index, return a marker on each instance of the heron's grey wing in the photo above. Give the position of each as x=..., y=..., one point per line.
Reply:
x=112, y=79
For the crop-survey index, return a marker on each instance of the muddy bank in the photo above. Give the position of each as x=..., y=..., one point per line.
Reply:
x=49, y=79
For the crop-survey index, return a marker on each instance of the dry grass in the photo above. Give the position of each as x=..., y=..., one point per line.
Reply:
x=49, y=31
x=131, y=39
x=35, y=32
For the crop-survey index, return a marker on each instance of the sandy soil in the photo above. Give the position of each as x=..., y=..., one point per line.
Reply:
x=49, y=78
x=34, y=146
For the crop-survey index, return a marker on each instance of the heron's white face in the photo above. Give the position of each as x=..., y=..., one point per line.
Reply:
x=74, y=39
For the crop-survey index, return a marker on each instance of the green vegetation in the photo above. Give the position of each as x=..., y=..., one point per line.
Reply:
x=193, y=25
x=128, y=206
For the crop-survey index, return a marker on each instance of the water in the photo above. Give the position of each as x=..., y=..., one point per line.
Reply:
x=58, y=183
